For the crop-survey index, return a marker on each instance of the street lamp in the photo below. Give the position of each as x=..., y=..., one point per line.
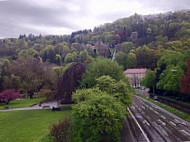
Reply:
x=173, y=70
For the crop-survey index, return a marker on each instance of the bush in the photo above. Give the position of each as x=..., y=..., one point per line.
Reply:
x=46, y=93
x=98, y=114
x=62, y=130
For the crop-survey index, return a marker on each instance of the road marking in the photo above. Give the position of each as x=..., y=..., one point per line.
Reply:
x=156, y=112
x=177, y=121
x=161, y=122
x=163, y=117
x=183, y=123
x=165, y=132
x=155, y=123
x=185, y=132
x=143, y=107
x=148, y=117
x=150, y=108
x=172, y=123
x=146, y=122
x=138, y=125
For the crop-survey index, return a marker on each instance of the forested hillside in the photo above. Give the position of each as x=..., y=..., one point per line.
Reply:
x=159, y=42
x=155, y=34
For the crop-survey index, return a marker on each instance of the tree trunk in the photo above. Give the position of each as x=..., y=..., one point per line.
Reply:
x=31, y=95
x=7, y=102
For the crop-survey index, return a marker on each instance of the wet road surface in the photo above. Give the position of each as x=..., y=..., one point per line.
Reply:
x=155, y=123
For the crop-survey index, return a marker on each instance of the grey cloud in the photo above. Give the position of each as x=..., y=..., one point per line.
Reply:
x=21, y=11
x=150, y=5
x=16, y=16
x=17, y=12
x=166, y=5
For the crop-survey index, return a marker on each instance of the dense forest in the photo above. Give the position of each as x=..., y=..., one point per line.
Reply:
x=159, y=42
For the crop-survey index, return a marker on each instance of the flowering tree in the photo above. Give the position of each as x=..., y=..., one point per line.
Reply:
x=9, y=95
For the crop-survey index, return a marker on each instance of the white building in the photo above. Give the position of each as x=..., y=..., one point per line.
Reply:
x=135, y=76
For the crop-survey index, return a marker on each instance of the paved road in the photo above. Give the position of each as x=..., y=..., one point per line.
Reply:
x=157, y=124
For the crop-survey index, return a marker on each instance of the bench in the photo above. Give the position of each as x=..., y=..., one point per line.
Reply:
x=45, y=107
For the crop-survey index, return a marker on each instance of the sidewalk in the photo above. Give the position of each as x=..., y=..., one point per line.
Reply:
x=48, y=105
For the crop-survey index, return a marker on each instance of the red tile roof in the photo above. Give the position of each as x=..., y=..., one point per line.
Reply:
x=142, y=70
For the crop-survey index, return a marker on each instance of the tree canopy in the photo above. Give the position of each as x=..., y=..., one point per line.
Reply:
x=99, y=67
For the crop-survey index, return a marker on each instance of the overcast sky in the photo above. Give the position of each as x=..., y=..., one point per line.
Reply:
x=65, y=16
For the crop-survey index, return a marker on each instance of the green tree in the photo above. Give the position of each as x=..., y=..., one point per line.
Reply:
x=62, y=49
x=58, y=71
x=58, y=59
x=27, y=53
x=4, y=63
x=98, y=114
x=131, y=61
x=100, y=67
x=169, y=79
x=121, y=58
x=149, y=80
x=68, y=58
x=174, y=45
x=106, y=83
x=119, y=89
x=21, y=43
x=48, y=53
x=83, y=55
x=33, y=74
x=126, y=47
x=75, y=57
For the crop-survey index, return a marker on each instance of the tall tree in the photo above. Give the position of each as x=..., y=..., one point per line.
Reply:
x=32, y=73
x=71, y=80
x=121, y=58
x=131, y=61
x=169, y=79
x=99, y=67
x=149, y=80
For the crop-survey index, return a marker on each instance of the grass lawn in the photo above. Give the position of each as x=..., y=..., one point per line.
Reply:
x=21, y=103
x=28, y=126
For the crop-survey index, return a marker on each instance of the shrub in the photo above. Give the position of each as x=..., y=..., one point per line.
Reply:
x=62, y=130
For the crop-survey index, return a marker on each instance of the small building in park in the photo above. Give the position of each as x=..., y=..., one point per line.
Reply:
x=135, y=76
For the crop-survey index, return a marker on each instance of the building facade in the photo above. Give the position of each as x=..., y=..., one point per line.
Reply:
x=135, y=76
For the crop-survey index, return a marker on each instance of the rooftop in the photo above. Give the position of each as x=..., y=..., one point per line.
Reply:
x=142, y=70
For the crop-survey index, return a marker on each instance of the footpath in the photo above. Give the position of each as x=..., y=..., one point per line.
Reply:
x=48, y=105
